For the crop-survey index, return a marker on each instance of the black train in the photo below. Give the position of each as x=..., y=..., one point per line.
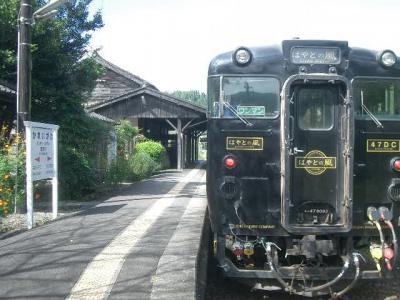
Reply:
x=303, y=174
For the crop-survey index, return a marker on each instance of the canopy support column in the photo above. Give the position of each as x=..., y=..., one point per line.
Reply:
x=180, y=141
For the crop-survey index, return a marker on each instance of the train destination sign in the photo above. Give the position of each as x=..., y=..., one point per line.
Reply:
x=253, y=111
x=315, y=55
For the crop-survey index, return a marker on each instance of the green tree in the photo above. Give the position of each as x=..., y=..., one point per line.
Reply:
x=63, y=74
x=193, y=96
x=126, y=133
x=8, y=39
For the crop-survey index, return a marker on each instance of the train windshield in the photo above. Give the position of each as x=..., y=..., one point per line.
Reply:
x=381, y=97
x=250, y=97
x=245, y=97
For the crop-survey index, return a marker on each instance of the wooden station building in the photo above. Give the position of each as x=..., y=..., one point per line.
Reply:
x=176, y=123
x=8, y=107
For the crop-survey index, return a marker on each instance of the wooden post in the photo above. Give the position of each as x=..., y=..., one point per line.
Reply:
x=190, y=148
x=193, y=147
x=179, y=144
x=181, y=140
x=196, y=148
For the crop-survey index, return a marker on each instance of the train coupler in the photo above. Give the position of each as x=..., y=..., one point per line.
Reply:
x=319, y=289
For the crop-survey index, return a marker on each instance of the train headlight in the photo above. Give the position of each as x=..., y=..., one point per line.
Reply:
x=387, y=58
x=242, y=56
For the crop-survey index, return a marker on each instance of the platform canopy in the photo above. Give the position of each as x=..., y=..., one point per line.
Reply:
x=176, y=123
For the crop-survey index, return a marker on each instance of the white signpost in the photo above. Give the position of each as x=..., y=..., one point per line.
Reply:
x=41, y=162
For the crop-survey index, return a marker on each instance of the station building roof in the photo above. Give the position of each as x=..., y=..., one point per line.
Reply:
x=119, y=94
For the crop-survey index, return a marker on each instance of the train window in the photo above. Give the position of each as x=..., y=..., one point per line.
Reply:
x=315, y=108
x=250, y=97
x=381, y=97
x=213, y=96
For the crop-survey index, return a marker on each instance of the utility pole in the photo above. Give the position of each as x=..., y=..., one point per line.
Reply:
x=26, y=19
x=25, y=22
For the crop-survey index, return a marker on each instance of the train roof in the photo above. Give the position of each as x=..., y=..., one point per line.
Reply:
x=275, y=60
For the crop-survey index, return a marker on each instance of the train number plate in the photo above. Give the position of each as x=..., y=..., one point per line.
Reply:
x=383, y=145
x=245, y=143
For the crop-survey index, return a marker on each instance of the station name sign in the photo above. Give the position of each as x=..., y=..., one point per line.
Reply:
x=41, y=163
x=315, y=55
x=41, y=140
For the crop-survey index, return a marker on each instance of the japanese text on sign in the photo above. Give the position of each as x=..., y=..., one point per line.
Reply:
x=254, y=111
x=315, y=162
x=314, y=55
x=245, y=143
x=42, y=156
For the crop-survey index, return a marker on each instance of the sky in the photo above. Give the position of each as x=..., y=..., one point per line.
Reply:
x=170, y=43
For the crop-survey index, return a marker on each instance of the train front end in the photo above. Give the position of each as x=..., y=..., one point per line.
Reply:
x=303, y=174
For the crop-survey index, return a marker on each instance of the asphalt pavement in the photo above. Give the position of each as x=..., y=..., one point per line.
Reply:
x=140, y=244
x=137, y=245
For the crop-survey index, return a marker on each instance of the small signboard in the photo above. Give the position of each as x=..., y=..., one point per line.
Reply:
x=42, y=154
x=253, y=111
x=315, y=55
x=315, y=162
x=383, y=145
x=244, y=143
x=41, y=162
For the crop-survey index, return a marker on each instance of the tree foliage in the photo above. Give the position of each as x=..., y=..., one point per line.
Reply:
x=195, y=97
x=8, y=39
x=11, y=163
x=126, y=134
x=63, y=74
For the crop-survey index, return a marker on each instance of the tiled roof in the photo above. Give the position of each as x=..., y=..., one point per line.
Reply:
x=7, y=88
x=100, y=117
x=123, y=72
x=151, y=92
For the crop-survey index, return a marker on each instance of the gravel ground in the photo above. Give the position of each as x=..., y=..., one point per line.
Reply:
x=15, y=223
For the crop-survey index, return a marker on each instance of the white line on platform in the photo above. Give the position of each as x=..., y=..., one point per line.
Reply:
x=175, y=277
x=98, y=278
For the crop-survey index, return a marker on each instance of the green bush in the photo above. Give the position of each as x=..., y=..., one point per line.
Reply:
x=81, y=151
x=126, y=134
x=152, y=148
x=118, y=171
x=12, y=176
x=143, y=165
x=77, y=177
